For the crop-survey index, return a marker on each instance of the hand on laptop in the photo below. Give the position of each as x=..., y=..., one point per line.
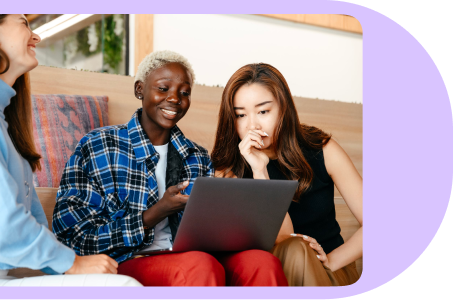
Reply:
x=172, y=201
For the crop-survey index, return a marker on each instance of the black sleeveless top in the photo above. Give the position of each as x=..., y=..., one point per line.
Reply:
x=315, y=214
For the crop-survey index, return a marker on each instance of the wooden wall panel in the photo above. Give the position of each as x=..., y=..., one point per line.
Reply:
x=343, y=120
x=338, y=22
x=143, y=37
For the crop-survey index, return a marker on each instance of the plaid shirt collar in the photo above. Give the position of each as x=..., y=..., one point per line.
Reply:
x=143, y=148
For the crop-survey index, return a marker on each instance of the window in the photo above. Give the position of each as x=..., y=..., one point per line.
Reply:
x=96, y=43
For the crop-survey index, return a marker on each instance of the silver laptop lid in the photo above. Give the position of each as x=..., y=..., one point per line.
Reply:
x=232, y=214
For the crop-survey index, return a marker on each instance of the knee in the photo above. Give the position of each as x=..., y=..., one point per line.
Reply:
x=294, y=250
x=205, y=265
x=256, y=268
x=204, y=261
x=292, y=245
x=260, y=260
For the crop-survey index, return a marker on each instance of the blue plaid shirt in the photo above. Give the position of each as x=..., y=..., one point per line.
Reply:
x=109, y=181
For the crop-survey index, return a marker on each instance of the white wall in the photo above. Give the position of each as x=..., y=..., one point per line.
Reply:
x=317, y=62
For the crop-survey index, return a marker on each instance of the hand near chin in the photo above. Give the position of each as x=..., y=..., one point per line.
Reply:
x=250, y=148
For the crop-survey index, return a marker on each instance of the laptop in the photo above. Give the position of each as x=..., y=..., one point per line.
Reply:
x=232, y=214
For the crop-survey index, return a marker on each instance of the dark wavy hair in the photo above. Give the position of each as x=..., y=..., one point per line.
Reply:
x=289, y=137
x=19, y=114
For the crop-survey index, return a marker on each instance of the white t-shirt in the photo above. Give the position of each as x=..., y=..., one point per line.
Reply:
x=162, y=233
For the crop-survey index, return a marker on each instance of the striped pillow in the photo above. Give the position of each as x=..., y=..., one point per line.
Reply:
x=59, y=123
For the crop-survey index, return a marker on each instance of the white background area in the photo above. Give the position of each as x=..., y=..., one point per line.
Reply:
x=316, y=62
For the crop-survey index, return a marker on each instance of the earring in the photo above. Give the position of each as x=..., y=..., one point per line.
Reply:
x=140, y=97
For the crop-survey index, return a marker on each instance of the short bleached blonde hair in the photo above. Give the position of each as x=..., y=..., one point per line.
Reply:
x=157, y=59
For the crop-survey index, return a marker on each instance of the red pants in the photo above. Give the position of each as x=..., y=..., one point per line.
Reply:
x=195, y=268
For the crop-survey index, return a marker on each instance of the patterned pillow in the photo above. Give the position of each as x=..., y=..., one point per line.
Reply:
x=59, y=122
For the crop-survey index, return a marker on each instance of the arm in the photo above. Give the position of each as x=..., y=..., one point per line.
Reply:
x=350, y=185
x=173, y=201
x=210, y=169
x=286, y=230
x=81, y=218
x=25, y=240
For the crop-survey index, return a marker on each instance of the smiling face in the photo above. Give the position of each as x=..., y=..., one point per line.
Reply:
x=256, y=108
x=18, y=42
x=166, y=97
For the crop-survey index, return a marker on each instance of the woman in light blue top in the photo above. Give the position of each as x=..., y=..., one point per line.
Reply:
x=25, y=240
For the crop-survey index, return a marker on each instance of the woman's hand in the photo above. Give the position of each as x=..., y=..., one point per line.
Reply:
x=250, y=148
x=317, y=247
x=92, y=264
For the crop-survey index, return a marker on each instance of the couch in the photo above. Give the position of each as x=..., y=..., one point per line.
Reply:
x=344, y=120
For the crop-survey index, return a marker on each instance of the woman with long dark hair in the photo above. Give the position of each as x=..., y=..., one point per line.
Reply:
x=259, y=136
x=25, y=240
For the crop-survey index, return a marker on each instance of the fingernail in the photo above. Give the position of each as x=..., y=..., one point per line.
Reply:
x=293, y=234
x=305, y=237
x=262, y=142
x=266, y=133
x=318, y=256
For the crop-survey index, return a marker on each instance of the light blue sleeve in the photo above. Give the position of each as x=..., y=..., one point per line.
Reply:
x=39, y=214
x=37, y=210
x=25, y=240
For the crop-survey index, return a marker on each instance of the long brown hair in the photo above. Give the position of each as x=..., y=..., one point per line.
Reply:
x=289, y=137
x=19, y=114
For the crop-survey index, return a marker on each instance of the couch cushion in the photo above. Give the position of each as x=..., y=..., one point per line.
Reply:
x=59, y=122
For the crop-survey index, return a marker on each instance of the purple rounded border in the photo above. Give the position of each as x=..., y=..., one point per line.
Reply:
x=407, y=142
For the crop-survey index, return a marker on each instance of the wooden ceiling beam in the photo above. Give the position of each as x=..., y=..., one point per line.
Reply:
x=338, y=22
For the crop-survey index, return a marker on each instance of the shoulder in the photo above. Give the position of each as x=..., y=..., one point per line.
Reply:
x=199, y=157
x=107, y=132
x=101, y=137
x=331, y=148
x=199, y=149
x=196, y=149
x=334, y=156
x=181, y=141
x=220, y=173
